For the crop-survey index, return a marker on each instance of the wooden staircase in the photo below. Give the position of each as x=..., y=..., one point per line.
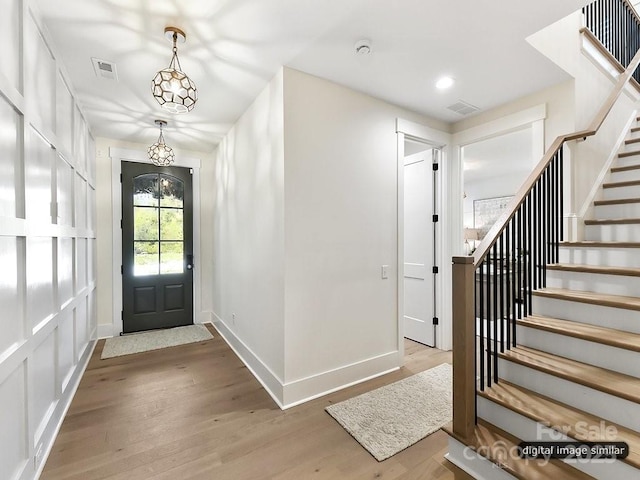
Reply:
x=575, y=374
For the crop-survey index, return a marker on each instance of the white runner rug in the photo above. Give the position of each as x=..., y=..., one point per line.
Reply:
x=394, y=417
x=154, y=340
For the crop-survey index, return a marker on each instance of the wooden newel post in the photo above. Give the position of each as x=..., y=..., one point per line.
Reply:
x=464, y=337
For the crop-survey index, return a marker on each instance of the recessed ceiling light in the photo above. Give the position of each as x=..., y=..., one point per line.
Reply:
x=444, y=82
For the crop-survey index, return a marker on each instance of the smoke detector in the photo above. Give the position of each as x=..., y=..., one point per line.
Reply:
x=363, y=47
x=104, y=69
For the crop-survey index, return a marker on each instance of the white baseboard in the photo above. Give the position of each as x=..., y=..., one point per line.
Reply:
x=318, y=385
x=290, y=394
x=475, y=465
x=50, y=432
x=205, y=317
x=269, y=380
x=105, y=331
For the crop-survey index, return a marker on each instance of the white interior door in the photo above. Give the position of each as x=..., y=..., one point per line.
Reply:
x=418, y=247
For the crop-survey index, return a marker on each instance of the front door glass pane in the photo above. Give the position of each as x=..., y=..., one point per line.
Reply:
x=145, y=190
x=145, y=223
x=172, y=257
x=146, y=258
x=171, y=192
x=171, y=224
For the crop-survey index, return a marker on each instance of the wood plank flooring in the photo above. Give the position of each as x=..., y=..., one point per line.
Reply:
x=195, y=412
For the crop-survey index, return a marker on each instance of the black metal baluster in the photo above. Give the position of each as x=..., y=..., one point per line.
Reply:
x=489, y=317
x=480, y=319
x=507, y=271
x=520, y=253
x=561, y=194
x=530, y=249
x=501, y=279
x=495, y=312
x=539, y=231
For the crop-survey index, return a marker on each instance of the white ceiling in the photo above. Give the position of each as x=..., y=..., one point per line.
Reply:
x=234, y=47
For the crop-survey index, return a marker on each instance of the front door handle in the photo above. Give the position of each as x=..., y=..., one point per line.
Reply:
x=189, y=262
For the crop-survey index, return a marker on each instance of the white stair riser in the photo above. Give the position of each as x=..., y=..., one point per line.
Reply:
x=611, y=256
x=594, y=282
x=598, y=354
x=613, y=233
x=609, y=407
x=475, y=465
x=625, y=176
x=629, y=161
x=609, y=317
x=619, y=210
x=617, y=193
x=529, y=430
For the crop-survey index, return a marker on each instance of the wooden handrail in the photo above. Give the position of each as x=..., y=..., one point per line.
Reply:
x=498, y=227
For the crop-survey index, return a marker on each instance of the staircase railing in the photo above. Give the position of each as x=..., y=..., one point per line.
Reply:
x=493, y=288
x=616, y=24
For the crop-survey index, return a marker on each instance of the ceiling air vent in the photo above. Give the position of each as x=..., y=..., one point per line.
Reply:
x=104, y=69
x=463, y=108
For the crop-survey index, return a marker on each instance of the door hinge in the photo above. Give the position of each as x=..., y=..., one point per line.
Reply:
x=121, y=314
x=435, y=270
x=121, y=269
x=120, y=178
x=191, y=171
x=435, y=167
x=120, y=223
x=435, y=218
x=436, y=321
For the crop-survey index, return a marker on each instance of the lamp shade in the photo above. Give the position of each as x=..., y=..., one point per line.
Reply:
x=171, y=87
x=174, y=91
x=160, y=154
x=471, y=233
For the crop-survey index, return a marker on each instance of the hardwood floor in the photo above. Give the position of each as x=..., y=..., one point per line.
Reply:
x=195, y=412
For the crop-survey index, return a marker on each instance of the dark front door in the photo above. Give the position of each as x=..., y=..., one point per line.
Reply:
x=157, y=247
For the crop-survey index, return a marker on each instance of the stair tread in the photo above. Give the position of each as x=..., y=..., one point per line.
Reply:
x=635, y=129
x=629, y=154
x=628, y=183
x=632, y=140
x=563, y=417
x=618, y=201
x=612, y=221
x=584, y=331
x=616, y=301
x=495, y=444
x=597, y=269
x=598, y=244
x=627, y=167
x=597, y=378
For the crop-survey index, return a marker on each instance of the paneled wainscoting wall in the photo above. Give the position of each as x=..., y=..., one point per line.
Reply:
x=47, y=242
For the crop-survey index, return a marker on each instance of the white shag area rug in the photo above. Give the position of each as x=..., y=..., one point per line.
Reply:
x=154, y=340
x=394, y=417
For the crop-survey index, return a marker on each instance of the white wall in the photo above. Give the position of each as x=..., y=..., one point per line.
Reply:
x=107, y=327
x=341, y=226
x=559, y=116
x=586, y=163
x=47, y=243
x=248, y=237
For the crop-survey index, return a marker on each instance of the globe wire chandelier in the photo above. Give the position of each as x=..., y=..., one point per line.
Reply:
x=159, y=153
x=173, y=90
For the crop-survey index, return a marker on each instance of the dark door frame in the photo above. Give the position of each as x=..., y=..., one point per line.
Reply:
x=117, y=155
